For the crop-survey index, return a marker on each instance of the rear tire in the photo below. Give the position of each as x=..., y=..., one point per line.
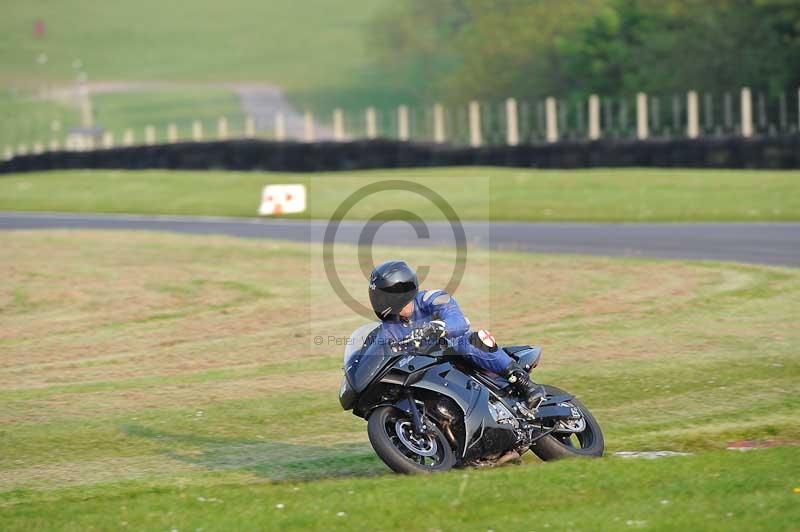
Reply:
x=555, y=446
x=382, y=428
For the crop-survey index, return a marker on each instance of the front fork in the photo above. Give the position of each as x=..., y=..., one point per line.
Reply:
x=409, y=406
x=420, y=427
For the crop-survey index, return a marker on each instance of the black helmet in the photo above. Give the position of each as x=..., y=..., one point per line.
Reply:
x=392, y=285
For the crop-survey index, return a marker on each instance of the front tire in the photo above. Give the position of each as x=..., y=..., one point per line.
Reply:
x=389, y=433
x=588, y=443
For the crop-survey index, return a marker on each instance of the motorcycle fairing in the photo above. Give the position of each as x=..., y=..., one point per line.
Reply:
x=365, y=359
x=483, y=434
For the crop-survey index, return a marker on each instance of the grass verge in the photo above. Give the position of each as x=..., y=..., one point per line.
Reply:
x=609, y=195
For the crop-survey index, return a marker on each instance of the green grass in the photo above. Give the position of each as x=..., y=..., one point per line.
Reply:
x=718, y=491
x=137, y=110
x=25, y=118
x=296, y=45
x=28, y=119
x=315, y=50
x=159, y=381
x=475, y=193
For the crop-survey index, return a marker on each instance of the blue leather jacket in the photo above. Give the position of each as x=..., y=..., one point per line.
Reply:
x=429, y=305
x=432, y=305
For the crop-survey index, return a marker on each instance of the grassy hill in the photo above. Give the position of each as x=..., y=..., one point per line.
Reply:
x=296, y=45
x=315, y=50
x=155, y=381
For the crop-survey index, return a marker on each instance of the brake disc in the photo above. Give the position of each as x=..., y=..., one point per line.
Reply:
x=423, y=446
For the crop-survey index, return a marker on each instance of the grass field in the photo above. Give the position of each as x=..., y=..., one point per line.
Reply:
x=297, y=45
x=170, y=382
x=315, y=50
x=118, y=111
x=514, y=194
x=25, y=119
x=28, y=118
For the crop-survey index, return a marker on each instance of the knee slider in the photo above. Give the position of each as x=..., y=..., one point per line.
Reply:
x=483, y=340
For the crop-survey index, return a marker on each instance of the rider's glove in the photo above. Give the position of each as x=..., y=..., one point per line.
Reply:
x=438, y=328
x=433, y=330
x=428, y=333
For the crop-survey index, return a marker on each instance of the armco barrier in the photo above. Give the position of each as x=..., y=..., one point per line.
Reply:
x=733, y=152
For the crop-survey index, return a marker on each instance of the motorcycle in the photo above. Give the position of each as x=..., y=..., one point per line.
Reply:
x=428, y=409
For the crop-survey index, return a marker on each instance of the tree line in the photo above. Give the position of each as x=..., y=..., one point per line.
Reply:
x=457, y=50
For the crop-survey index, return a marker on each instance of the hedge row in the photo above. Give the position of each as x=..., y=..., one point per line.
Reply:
x=780, y=152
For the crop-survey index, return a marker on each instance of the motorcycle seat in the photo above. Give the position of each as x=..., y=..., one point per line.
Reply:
x=498, y=381
x=513, y=349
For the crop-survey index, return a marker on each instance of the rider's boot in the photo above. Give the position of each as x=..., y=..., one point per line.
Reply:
x=521, y=381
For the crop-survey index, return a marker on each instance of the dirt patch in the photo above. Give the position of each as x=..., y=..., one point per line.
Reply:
x=63, y=474
x=750, y=445
x=91, y=404
x=99, y=302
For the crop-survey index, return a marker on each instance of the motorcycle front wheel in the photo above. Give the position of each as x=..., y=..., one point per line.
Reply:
x=391, y=434
x=588, y=442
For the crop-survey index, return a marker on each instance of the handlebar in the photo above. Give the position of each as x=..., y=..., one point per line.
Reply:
x=417, y=337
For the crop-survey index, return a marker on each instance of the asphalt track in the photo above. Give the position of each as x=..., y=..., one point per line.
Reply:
x=759, y=243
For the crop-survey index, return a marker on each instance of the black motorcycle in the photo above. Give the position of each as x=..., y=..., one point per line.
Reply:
x=428, y=409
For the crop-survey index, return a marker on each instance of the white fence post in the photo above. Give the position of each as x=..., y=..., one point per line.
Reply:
x=747, y=113
x=8, y=153
x=642, y=125
x=127, y=138
x=551, y=118
x=512, y=124
x=172, y=133
x=38, y=147
x=308, y=126
x=475, y=139
x=222, y=128
x=55, y=145
x=197, y=131
x=149, y=135
x=438, y=124
x=594, y=117
x=402, y=123
x=372, y=124
x=87, y=117
x=692, y=115
x=249, y=127
x=338, y=125
x=108, y=140
x=22, y=149
x=280, y=127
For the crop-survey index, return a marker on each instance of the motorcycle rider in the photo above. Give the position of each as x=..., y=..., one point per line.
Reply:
x=409, y=314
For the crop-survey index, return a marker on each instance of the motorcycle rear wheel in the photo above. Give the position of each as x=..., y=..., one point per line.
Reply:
x=389, y=433
x=587, y=443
